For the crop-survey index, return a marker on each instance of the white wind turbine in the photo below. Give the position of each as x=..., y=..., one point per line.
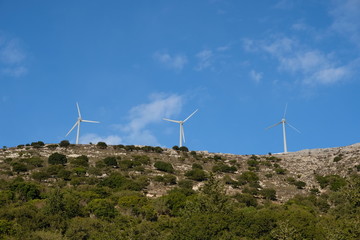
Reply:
x=181, y=123
x=79, y=120
x=283, y=122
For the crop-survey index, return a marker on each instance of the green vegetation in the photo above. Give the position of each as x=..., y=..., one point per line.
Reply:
x=164, y=166
x=75, y=194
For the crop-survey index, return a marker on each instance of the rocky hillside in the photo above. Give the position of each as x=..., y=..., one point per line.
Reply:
x=158, y=170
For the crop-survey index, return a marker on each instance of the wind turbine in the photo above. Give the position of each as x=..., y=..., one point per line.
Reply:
x=181, y=123
x=284, y=122
x=79, y=120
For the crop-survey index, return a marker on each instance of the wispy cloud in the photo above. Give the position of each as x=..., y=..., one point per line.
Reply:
x=313, y=66
x=140, y=117
x=205, y=59
x=94, y=138
x=255, y=76
x=12, y=57
x=346, y=15
x=212, y=59
x=176, y=62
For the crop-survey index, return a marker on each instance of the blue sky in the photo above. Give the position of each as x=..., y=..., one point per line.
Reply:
x=131, y=63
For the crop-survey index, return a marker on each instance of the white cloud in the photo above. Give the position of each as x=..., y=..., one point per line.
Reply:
x=205, y=59
x=12, y=58
x=141, y=116
x=176, y=62
x=346, y=14
x=94, y=138
x=255, y=76
x=313, y=66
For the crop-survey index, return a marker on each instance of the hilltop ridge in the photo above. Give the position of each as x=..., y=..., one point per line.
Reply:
x=281, y=172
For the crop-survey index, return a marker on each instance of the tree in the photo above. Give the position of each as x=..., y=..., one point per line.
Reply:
x=164, y=166
x=101, y=145
x=64, y=143
x=110, y=161
x=57, y=158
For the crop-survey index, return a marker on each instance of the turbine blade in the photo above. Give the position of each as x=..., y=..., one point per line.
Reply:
x=293, y=127
x=89, y=121
x=285, y=110
x=274, y=125
x=78, y=108
x=190, y=115
x=170, y=120
x=77, y=122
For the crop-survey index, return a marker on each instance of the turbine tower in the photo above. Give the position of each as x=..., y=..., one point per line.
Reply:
x=181, y=123
x=79, y=120
x=284, y=122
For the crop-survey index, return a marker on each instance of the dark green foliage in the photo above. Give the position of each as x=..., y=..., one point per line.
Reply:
x=246, y=199
x=247, y=177
x=57, y=158
x=64, y=143
x=167, y=179
x=34, y=161
x=25, y=191
x=38, y=144
x=40, y=176
x=196, y=166
x=183, y=149
x=300, y=184
x=338, y=158
x=196, y=174
x=268, y=193
x=164, y=166
x=142, y=159
x=101, y=145
x=102, y=208
x=52, y=146
x=117, y=181
x=334, y=182
x=19, y=167
x=222, y=167
x=176, y=148
x=81, y=161
x=280, y=171
x=110, y=161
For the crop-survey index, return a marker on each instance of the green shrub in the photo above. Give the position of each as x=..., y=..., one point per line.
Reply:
x=338, y=158
x=268, y=193
x=110, y=161
x=222, y=167
x=334, y=182
x=196, y=166
x=183, y=149
x=280, y=171
x=164, y=166
x=176, y=148
x=34, y=161
x=64, y=143
x=102, y=208
x=81, y=161
x=57, y=158
x=247, y=177
x=101, y=145
x=38, y=144
x=196, y=174
x=40, y=176
x=19, y=167
x=247, y=199
x=300, y=184
x=52, y=146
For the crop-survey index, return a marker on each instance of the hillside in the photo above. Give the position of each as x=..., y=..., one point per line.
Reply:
x=149, y=185
x=273, y=171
